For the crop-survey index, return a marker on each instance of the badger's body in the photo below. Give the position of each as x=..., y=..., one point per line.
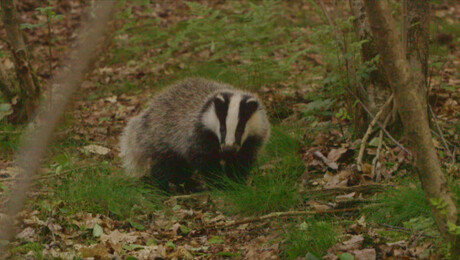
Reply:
x=194, y=125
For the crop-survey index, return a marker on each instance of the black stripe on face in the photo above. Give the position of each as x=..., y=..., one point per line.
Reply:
x=221, y=107
x=247, y=109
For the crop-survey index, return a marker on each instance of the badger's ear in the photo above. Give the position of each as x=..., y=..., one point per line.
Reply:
x=219, y=99
x=252, y=104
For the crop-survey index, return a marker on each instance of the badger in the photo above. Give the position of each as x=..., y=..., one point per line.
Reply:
x=196, y=125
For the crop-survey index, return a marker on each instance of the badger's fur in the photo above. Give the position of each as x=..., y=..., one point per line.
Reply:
x=195, y=124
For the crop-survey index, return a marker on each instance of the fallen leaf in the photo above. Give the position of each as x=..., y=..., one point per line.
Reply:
x=215, y=240
x=96, y=149
x=97, y=231
x=345, y=196
x=329, y=163
x=335, y=154
x=116, y=237
x=96, y=251
x=26, y=234
x=365, y=254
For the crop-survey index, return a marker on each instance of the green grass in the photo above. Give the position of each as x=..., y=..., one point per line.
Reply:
x=272, y=187
x=399, y=205
x=9, y=139
x=23, y=249
x=103, y=189
x=233, y=43
x=310, y=237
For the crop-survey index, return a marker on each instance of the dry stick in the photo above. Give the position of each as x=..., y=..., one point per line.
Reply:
x=377, y=156
x=404, y=230
x=66, y=81
x=379, y=147
x=447, y=141
x=277, y=215
x=369, y=131
x=379, y=124
x=357, y=188
x=435, y=119
x=337, y=35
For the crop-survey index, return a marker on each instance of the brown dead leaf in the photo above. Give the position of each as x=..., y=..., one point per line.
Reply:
x=331, y=164
x=367, y=168
x=365, y=254
x=319, y=207
x=337, y=180
x=97, y=251
x=354, y=243
x=95, y=149
x=34, y=220
x=116, y=239
x=27, y=234
x=345, y=196
x=87, y=220
x=335, y=154
x=151, y=252
x=181, y=253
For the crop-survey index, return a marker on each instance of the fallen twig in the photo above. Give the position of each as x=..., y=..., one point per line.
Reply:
x=404, y=230
x=435, y=119
x=375, y=161
x=354, y=202
x=357, y=188
x=378, y=123
x=369, y=131
x=277, y=215
x=326, y=161
x=383, y=128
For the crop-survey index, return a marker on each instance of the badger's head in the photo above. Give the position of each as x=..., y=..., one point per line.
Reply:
x=234, y=117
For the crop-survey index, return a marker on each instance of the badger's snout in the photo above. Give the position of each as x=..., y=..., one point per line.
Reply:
x=230, y=148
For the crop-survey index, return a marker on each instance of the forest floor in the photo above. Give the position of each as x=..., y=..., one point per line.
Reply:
x=304, y=200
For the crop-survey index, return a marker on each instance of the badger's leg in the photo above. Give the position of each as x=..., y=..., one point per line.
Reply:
x=173, y=170
x=239, y=166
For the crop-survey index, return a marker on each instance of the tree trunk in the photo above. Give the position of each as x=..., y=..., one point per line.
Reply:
x=29, y=92
x=418, y=36
x=377, y=87
x=407, y=84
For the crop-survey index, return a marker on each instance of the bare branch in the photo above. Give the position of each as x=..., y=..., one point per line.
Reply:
x=66, y=82
x=277, y=215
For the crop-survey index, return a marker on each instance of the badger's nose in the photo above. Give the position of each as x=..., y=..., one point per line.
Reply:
x=230, y=148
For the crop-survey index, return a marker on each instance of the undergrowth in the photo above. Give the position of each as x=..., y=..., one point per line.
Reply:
x=231, y=44
x=399, y=205
x=311, y=237
x=103, y=189
x=272, y=186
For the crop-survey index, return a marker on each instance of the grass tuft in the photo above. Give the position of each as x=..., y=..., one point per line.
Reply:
x=273, y=187
x=100, y=189
x=310, y=237
x=28, y=248
x=400, y=205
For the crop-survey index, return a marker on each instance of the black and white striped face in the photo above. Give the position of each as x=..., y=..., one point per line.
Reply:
x=233, y=117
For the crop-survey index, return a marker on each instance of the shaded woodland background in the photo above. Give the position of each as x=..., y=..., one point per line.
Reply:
x=344, y=188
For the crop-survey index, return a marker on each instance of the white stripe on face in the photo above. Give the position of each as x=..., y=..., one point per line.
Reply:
x=211, y=121
x=232, y=119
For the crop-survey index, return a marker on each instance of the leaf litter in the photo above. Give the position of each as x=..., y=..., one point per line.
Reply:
x=176, y=232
